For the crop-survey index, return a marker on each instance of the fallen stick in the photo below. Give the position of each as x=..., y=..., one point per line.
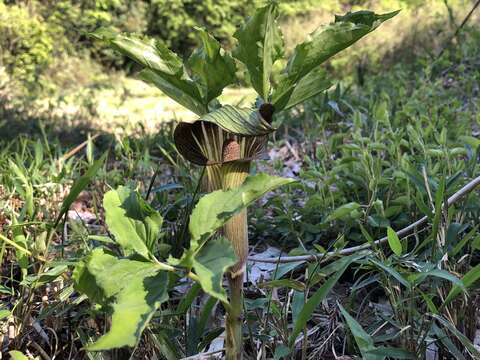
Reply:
x=402, y=233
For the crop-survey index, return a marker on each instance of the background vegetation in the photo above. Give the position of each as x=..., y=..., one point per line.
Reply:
x=397, y=135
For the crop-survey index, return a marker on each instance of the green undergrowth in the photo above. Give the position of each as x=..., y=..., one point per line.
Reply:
x=374, y=154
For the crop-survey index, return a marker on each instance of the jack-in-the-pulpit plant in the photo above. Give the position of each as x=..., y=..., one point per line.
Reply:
x=225, y=139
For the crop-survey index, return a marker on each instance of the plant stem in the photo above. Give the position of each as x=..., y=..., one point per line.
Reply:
x=233, y=324
x=236, y=231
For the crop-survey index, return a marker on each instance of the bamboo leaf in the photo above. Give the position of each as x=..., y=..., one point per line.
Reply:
x=461, y=337
x=312, y=303
x=362, y=338
x=394, y=241
x=80, y=184
x=468, y=280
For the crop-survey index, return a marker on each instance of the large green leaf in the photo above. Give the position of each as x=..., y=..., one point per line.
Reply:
x=179, y=88
x=260, y=44
x=322, y=45
x=133, y=289
x=211, y=262
x=212, y=68
x=162, y=67
x=214, y=209
x=362, y=338
x=134, y=224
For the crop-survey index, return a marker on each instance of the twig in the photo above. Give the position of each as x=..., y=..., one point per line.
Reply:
x=401, y=233
x=203, y=356
x=460, y=27
x=77, y=148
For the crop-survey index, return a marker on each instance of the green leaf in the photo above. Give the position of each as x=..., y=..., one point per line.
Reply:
x=133, y=289
x=461, y=337
x=135, y=225
x=260, y=44
x=283, y=283
x=469, y=279
x=4, y=313
x=161, y=67
x=390, y=270
x=210, y=263
x=394, y=242
x=23, y=186
x=362, y=338
x=418, y=278
x=322, y=45
x=17, y=355
x=447, y=342
x=305, y=314
x=178, y=88
x=392, y=353
x=343, y=211
x=212, y=68
x=37, y=280
x=80, y=184
x=312, y=84
x=214, y=210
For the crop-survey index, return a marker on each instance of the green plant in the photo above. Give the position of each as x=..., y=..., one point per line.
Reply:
x=226, y=139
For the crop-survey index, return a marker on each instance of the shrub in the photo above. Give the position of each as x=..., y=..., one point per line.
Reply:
x=25, y=41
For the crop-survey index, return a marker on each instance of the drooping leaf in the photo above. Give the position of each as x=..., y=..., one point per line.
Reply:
x=212, y=68
x=362, y=338
x=214, y=209
x=134, y=224
x=394, y=241
x=417, y=278
x=260, y=44
x=321, y=45
x=79, y=185
x=178, y=88
x=133, y=289
x=390, y=270
x=149, y=53
x=161, y=67
x=210, y=263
